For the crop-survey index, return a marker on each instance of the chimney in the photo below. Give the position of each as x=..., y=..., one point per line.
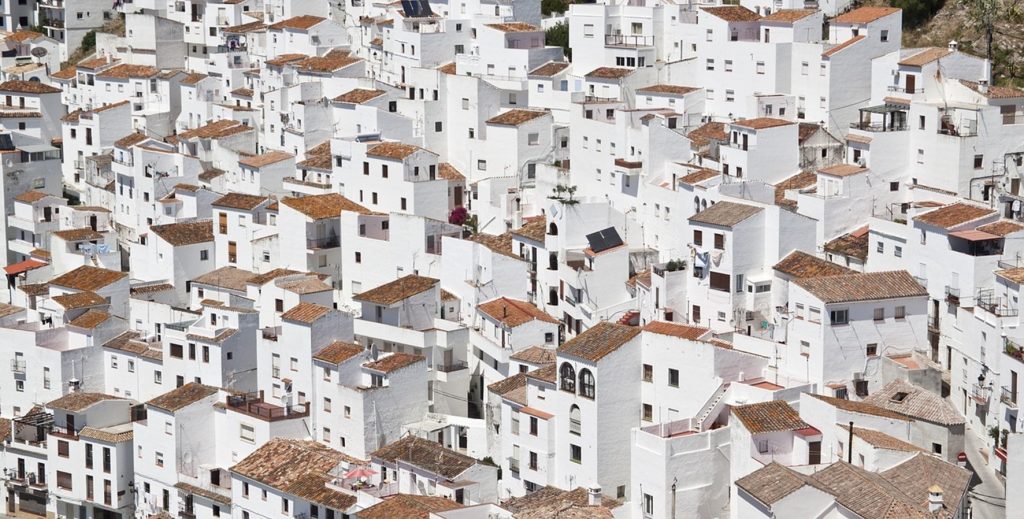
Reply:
x=983, y=86
x=954, y=46
x=594, y=496
x=935, y=502
x=109, y=58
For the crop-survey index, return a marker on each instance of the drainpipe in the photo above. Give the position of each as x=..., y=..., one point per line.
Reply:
x=849, y=458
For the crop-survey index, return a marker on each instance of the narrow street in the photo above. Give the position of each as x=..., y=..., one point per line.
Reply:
x=987, y=495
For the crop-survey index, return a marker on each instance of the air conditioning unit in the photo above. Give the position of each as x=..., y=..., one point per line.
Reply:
x=858, y=375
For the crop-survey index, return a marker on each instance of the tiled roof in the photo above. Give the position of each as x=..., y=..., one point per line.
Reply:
x=879, y=439
x=446, y=171
x=28, y=87
x=231, y=278
x=501, y=244
x=338, y=352
x=329, y=62
x=866, y=494
x=842, y=46
x=536, y=355
x=867, y=286
x=666, y=89
x=283, y=59
x=547, y=373
x=699, y=176
x=105, y=435
x=397, y=290
x=297, y=467
x=66, y=73
x=514, y=27
x=843, y=170
x=266, y=277
x=448, y=68
x=513, y=313
x=242, y=92
x=97, y=62
x=245, y=27
x=89, y=320
x=865, y=14
x=725, y=214
x=319, y=207
x=917, y=475
x=801, y=180
x=8, y=310
x=266, y=159
x=1001, y=228
x=925, y=56
x=149, y=289
x=788, y=15
x=770, y=416
x=761, y=123
x=953, y=215
x=304, y=285
x=23, y=35
x=179, y=398
x=126, y=71
x=300, y=23
x=305, y=312
x=916, y=403
x=193, y=78
x=510, y=387
x=32, y=196
x=215, y=130
x=359, y=95
x=555, y=503
x=83, y=234
x=79, y=300
x=408, y=506
x=185, y=233
x=394, y=362
x=392, y=150
x=549, y=69
x=733, y=13
x=598, y=341
x=239, y=201
x=853, y=244
x=203, y=492
x=771, y=483
x=425, y=454
x=681, y=331
x=704, y=134
x=800, y=264
x=79, y=401
x=88, y=278
x=130, y=140
x=609, y=72
x=854, y=406
x=994, y=92
x=534, y=229
x=516, y=117
x=1014, y=274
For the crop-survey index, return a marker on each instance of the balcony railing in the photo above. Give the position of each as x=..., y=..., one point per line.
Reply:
x=452, y=366
x=905, y=90
x=996, y=306
x=327, y=242
x=1008, y=397
x=254, y=405
x=628, y=40
x=952, y=295
x=879, y=127
x=513, y=465
x=17, y=366
x=980, y=393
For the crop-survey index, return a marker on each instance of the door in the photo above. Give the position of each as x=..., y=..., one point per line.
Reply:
x=71, y=423
x=910, y=85
x=92, y=222
x=814, y=453
x=745, y=137
x=1013, y=386
x=458, y=196
x=10, y=502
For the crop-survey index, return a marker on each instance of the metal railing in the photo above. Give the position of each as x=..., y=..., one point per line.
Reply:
x=1008, y=397
x=905, y=90
x=879, y=127
x=326, y=242
x=17, y=366
x=628, y=40
x=452, y=366
x=513, y=465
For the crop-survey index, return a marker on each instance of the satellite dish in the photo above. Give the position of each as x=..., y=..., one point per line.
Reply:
x=39, y=51
x=9, y=163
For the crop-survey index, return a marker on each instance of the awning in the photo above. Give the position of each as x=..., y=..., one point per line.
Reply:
x=975, y=235
x=23, y=266
x=884, y=109
x=36, y=148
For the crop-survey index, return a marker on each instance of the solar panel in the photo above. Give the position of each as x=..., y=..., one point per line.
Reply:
x=604, y=239
x=416, y=8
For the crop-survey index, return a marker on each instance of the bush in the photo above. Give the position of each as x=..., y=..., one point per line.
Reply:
x=558, y=36
x=553, y=6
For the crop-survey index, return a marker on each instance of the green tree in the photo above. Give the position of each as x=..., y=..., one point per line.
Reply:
x=553, y=6
x=558, y=36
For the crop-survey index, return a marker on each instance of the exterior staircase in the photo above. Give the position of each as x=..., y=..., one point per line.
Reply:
x=714, y=404
x=630, y=318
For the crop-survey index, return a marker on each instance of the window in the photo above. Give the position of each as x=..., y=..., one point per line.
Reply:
x=465, y=103
x=481, y=165
x=533, y=139
x=648, y=373
x=568, y=376
x=837, y=317
x=710, y=65
x=728, y=65
x=534, y=425
x=177, y=351
x=327, y=405
x=719, y=241
x=575, y=421
x=879, y=314
x=900, y=313
x=586, y=383
x=62, y=449
x=885, y=35
x=871, y=349
x=63, y=480
x=936, y=448
x=897, y=251
x=698, y=238
x=673, y=377
x=247, y=433
x=979, y=161
x=575, y=453
x=814, y=315
x=648, y=413
x=720, y=281
x=648, y=505
x=760, y=67
x=159, y=457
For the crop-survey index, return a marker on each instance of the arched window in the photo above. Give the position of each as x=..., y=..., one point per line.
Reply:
x=568, y=375
x=704, y=203
x=586, y=383
x=552, y=229
x=696, y=204
x=575, y=425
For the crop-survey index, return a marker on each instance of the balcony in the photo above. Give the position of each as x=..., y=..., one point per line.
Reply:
x=452, y=366
x=628, y=40
x=905, y=90
x=253, y=405
x=326, y=242
x=996, y=306
x=270, y=333
x=878, y=127
x=980, y=393
x=953, y=295
x=18, y=366
x=965, y=127
x=1008, y=397
x=513, y=465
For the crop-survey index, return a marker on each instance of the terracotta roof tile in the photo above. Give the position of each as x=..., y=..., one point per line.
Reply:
x=771, y=483
x=534, y=229
x=130, y=140
x=953, y=215
x=231, y=278
x=82, y=234
x=28, y=87
x=392, y=150
x=800, y=264
x=516, y=117
x=512, y=386
x=79, y=401
x=609, y=73
x=514, y=27
x=879, y=439
x=88, y=278
x=408, y=506
x=681, y=331
x=266, y=159
x=319, y=207
x=842, y=46
x=854, y=245
x=246, y=27
x=547, y=374
x=338, y=352
x=448, y=68
x=79, y=300
x=770, y=416
x=598, y=341
x=122, y=434
x=304, y=285
x=179, y=398
x=733, y=13
x=865, y=14
x=513, y=313
x=185, y=233
x=801, y=180
x=215, y=130
x=66, y=73
x=666, y=89
x=329, y=62
x=725, y=214
x=300, y=23
x=425, y=454
x=843, y=170
x=126, y=71
x=853, y=406
x=271, y=275
x=305, y=312
x=555, y=503
x=916, y=402
x=397, y=290
x=789, y=15
x=549, y=69
x=925, y=56
x=761, y=123
x=704, y=134
x=284, y=59
x=536, y=355
x=298, y=467
x=1001, y=228
x=359, y=95
x=394, y=362
x=23, y=35
x=90, y=319
x=239, y=201
x=32, y=196
x=994, y=92
x=867, y=286
x=446, y=171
